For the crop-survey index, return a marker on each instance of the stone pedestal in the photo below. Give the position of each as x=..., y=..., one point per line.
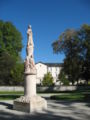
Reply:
x=33, y=104
x=30, y=102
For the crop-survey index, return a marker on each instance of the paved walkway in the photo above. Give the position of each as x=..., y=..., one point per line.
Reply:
x=56, y=111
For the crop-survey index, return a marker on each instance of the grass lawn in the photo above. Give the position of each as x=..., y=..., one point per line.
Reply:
x=10, y=95
x=67, y=96
x=81, y=97
x=11, y=92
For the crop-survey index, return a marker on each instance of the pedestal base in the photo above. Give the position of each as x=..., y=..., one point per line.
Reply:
x=30, y=104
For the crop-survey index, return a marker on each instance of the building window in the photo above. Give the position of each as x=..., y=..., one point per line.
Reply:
x=56, y=69
x=49, y=69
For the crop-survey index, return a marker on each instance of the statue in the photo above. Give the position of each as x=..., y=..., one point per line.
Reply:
x=30, y=102
x=29, y=36
x=29, y=61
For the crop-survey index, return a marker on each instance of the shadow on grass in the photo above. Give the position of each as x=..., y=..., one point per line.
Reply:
x=36, y=116
x=88, y=104
x=57, y=110
x=8, y=106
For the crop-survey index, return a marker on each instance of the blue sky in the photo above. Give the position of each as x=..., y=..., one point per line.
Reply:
x=48, y=18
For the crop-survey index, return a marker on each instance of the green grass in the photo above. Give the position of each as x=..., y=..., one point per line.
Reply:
x=11, y=92
x=82, y=97
x=68, y=97
x=10, y=95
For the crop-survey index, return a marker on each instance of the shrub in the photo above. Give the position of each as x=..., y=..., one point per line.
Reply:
x=47, y=80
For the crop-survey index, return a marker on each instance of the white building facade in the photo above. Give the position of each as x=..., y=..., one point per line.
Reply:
x=44, y=68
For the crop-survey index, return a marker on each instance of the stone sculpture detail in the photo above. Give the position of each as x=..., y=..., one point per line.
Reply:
x=29, y=63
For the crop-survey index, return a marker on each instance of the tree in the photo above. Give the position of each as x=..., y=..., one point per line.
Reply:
x=10, y=48
x=10, y=39
x=69, y=44
x=47, y=80
x=75, y=44
x=11, y=72
x=17, y=75
x=7, y=63
x=62, y=78
x=84, y=35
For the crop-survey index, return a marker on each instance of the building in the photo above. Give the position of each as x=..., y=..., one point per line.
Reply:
x=43, y=68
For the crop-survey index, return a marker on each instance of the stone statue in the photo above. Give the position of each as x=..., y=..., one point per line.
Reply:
x=29, y=61
x=30, y=102
x=29, y=35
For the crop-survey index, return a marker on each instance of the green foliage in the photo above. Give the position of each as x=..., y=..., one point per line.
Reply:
x=17, y=74
x=84, y=35
x=62, y=78
x=47, y=80
x=75, y=44
x=10, y=39
x=11, y=68
x=7, y=63
x=11, y=73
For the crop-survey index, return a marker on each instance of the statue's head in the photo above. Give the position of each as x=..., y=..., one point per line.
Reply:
x=29, y=26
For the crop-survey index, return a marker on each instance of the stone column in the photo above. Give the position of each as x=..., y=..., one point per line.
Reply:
x=30, y=102
x=30, y=86
x=30, y=70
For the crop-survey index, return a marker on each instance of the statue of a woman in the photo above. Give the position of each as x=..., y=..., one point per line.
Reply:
x=29, y=62
x=30, y=37
x=30, y=44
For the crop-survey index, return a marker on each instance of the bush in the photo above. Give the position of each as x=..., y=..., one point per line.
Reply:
x=47, y=80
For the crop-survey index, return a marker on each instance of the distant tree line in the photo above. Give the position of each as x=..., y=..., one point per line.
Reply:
x=75, y=44
x=11, y=65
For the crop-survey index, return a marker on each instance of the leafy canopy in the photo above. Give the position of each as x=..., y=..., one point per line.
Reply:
x=11, y=68
x=10, y=39
x=75, y=44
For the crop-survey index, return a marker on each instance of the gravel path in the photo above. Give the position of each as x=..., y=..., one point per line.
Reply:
x=57, y=110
